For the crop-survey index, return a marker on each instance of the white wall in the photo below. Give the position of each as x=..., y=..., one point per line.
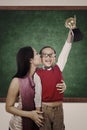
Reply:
x=44, y=2
x=75, y=116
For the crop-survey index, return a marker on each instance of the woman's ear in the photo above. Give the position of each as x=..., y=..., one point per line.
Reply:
x=31, y=60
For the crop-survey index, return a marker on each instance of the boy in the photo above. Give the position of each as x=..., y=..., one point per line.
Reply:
x=49, y=85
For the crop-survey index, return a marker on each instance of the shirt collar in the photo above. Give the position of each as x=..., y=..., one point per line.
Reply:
x=47, y=68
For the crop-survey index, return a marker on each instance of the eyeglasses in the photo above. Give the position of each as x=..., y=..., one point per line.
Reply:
x=51, y=55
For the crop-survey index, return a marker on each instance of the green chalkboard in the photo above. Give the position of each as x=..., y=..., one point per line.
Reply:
x=38, y=28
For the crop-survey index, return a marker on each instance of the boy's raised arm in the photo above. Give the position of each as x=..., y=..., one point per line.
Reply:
x=62, y=59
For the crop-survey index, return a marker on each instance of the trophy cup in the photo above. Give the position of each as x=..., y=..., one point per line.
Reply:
x=71, y=24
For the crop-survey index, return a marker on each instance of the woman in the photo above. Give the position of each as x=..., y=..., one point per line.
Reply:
x=21, y=88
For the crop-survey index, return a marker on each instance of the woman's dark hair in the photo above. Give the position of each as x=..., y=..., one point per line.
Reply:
x=45, y=48
x=23, y=58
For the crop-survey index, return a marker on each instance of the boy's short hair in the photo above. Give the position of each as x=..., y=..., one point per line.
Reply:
x=45, y=48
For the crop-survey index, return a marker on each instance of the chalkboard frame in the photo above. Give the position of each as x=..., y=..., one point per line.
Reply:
x=47, y=8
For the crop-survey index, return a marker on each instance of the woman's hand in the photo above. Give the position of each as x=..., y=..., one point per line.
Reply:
x=61, y=86
x=37, y=117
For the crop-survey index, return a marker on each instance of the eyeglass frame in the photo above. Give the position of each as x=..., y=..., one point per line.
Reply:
x=45, y=55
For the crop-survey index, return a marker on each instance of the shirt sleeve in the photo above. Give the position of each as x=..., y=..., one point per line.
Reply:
x=62, y=59
x=38, y=90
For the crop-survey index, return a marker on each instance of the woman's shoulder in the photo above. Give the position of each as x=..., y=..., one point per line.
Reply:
x=14, y=85
x=15, y=81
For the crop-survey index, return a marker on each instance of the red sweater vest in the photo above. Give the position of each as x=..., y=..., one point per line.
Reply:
x=49, y=79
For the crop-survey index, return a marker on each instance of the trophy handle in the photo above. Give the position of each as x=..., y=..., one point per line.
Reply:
x=75, y=19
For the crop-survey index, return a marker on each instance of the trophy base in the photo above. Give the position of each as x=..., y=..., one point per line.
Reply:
x=77, y=35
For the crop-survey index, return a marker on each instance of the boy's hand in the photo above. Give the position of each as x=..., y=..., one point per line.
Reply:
x=70, y=37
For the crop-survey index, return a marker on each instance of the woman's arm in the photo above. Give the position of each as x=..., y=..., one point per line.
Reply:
x=11, y=100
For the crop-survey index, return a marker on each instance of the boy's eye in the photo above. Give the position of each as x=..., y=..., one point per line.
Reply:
x=52, y=55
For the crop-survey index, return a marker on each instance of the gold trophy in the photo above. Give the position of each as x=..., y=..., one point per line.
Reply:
x=71, y=24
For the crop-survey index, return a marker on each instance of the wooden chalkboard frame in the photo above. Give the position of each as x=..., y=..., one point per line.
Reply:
x=47, y=8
